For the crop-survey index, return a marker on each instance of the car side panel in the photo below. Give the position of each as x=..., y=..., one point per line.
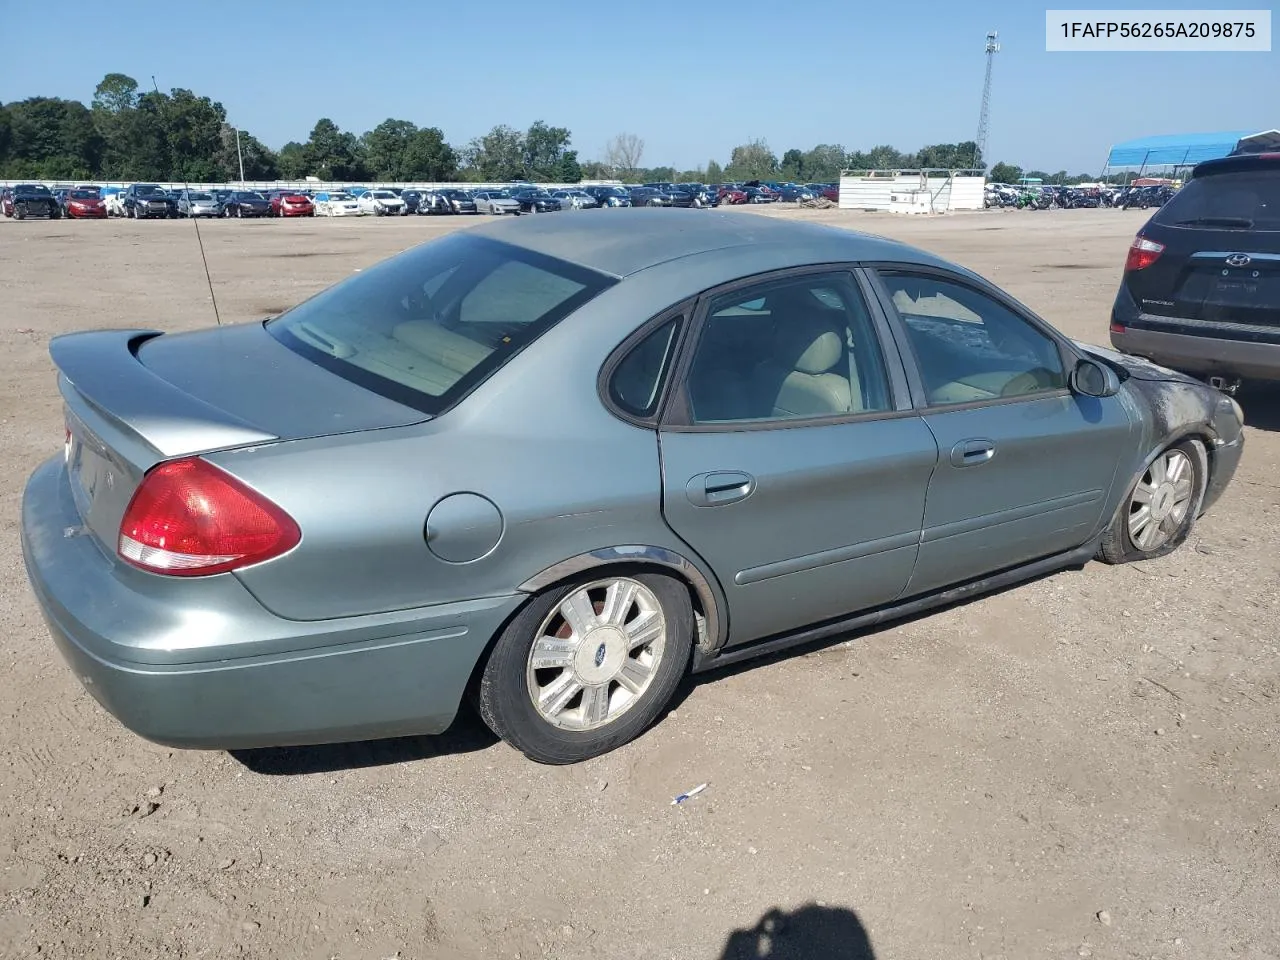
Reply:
x=831, y=525
x=1046, y=489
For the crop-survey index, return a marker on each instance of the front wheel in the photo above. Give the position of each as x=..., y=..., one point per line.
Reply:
x=587, y=666
x=1161, y=506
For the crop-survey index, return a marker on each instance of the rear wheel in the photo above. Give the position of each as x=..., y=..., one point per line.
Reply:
x=587, y=666
x=1161, y=507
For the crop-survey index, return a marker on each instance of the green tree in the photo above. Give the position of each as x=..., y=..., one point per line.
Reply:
x=568, y=170
x=334, y=154
x=498, y=156
x=293, y=161
x=6, y=133
x=51, y=138
x=385, y=147
x=655, y=174
x=193, y=129
x=114, y=102
x=543, y=149
x=1005, y=173
x=825, y=162
x=752, y=161
x=146, y=139
x=792, y=166
x=428, y=157
x=714, y=172
x=116, y=93
x=883, y=157
x=260, y=161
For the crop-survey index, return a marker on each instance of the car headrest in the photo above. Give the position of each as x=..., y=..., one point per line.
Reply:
x=809, y=341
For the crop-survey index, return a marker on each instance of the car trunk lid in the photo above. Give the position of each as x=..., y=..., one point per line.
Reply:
x=136, y=397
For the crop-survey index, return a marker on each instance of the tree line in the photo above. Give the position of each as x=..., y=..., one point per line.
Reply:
x=1011, y=173
x=126, y=133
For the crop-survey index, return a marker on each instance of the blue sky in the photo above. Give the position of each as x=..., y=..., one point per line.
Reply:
x=691, y=80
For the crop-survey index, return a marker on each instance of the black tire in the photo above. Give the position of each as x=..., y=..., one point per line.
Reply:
x=19, y=213
x=1118, y=546
x=503, y=695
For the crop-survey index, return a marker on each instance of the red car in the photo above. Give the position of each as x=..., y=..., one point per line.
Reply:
x=287, y=203
x=83, y=204
x=732, y=195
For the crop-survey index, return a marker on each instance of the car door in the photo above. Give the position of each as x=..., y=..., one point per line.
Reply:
x=1025, y=465
x=791, y=460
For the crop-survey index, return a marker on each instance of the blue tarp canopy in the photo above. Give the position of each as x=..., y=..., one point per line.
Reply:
x=1174, y=149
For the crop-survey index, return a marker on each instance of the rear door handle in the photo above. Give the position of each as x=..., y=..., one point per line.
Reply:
x=721, y=487
x=970, y=453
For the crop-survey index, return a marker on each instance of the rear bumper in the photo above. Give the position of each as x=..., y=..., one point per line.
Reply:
x=201, y=663
x=1206, y=355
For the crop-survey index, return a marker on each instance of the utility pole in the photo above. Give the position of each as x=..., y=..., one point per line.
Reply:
x=240, y=156
x=980, y=144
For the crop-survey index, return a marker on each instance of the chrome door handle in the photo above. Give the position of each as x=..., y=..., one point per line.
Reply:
x=970, y=453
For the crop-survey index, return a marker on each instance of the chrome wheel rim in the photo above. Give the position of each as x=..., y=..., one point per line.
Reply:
x=1161, y=501
x=596, y=654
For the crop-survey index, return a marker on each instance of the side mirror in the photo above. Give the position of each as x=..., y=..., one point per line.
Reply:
x=1091, y=378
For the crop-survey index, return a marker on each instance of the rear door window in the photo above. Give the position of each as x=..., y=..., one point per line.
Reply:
x=425, y=327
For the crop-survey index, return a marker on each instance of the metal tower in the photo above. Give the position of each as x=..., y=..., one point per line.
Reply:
x=980, y=144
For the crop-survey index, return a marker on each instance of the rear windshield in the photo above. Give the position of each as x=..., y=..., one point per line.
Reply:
x=1248, y=200
x=425, y=327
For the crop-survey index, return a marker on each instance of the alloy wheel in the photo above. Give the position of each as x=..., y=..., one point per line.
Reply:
x=1161, y=500
x=596, y=654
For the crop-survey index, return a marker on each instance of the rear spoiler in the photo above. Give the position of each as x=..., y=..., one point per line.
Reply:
x=101, y=368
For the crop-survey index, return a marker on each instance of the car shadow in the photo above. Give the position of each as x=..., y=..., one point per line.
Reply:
x=810, y=932
x=1261, y=405
x=716, y=674
x=467, y=735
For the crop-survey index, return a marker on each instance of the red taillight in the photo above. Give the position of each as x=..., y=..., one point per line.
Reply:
x=1117, y=327
x=1142, y=253
x=189, y=518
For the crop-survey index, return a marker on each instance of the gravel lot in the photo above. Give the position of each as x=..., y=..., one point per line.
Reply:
x=978, y=783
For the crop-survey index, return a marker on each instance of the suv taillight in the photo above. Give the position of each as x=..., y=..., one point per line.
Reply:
x=1142, y=253
x=189, y=518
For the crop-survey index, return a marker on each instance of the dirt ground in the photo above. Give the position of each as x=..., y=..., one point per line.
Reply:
x=1081, y=766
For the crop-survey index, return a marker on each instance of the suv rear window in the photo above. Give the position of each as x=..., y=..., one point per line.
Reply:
x=425, y=327
x=1248, y=200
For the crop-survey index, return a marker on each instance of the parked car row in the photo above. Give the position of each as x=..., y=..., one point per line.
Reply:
x=148, y=201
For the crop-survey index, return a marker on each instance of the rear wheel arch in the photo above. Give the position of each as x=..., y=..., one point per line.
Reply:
x=710, y=608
